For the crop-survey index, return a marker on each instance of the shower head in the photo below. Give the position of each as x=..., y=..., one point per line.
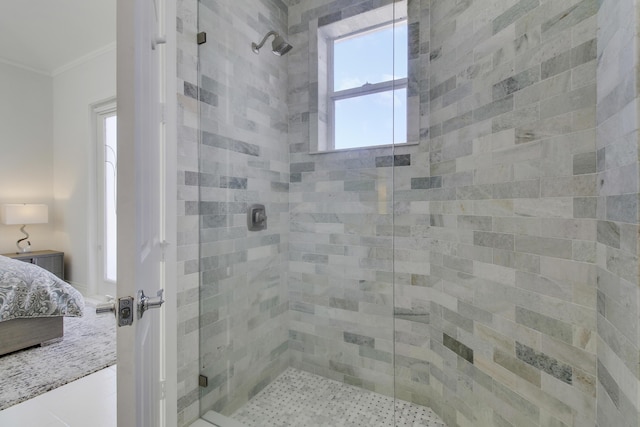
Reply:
x=279, y=46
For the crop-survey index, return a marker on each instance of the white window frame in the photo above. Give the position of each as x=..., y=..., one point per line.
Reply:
x=364, y=90
x=321, y=139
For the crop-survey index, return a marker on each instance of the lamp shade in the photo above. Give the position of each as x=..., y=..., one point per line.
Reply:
x=12, y=214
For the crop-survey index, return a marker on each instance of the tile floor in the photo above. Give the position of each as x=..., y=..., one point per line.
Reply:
x=298, y=398
x=72, y=405
x=295, y=398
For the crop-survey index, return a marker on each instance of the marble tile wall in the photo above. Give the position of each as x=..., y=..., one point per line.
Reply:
x=505, y=216
x=341, y=228
x=618, y=385
x=340, y=269
x=510, y=229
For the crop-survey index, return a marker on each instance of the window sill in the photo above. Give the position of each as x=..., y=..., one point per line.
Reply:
x=370, y=147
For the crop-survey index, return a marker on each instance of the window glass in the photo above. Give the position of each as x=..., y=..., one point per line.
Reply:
x=110, y=181
x=370, y=120
x=368, y=57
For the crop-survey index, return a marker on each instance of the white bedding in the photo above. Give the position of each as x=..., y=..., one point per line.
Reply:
x=27, y=290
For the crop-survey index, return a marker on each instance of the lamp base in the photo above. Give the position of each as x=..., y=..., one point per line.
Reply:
x=27, y=248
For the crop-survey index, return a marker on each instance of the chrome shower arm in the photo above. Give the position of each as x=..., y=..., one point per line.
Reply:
x=257, y=47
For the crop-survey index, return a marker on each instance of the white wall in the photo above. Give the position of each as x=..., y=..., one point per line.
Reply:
x=26, y=169
x=74, y=92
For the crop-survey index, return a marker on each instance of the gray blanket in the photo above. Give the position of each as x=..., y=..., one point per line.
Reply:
x=27, y=290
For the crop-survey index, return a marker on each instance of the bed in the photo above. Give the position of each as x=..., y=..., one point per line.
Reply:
x=33, y=303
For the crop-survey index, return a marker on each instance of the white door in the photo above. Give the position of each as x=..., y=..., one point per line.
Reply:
x=141, y=224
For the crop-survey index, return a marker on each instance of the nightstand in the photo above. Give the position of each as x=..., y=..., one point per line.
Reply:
x=52, y=261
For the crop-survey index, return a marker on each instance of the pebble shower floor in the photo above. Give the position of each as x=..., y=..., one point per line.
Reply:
x=301, y=399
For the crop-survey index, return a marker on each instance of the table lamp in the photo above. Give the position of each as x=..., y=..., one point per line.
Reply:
x=25, y=213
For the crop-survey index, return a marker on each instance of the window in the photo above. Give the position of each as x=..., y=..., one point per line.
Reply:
x=358, y=82
x=110, y=174
x=367, y=87
x=105, y=116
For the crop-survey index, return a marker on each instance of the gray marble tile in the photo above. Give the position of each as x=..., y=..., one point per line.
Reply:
x=344, y=304
x=572, y=16
x=457, y=122
x=458, y=348
x=608, y=233
x=480, y=223
x=513, y=13
x=397, y=160
x=515, y=83
x=608, y=383
x=584, y=163
x=556, y=65
x=518, y=367
x=585, y=207
x=426, y=183
x=544, y=362
x=302, y=167
x=545, y=324
x=493, y=109
x=230, y=144
x=233, y=182
x=443, y=88
x=623, y=208
x=412, y=315
x=584, y=53
x=494, y=240
x=558, y=248
x=517, y=190
x=359, y=339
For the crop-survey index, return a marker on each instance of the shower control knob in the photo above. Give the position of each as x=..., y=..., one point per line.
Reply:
x=256, y=217
x=259, y=216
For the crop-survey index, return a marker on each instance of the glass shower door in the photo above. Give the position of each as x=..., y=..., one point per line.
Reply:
x=244, y=334
x=296, y=319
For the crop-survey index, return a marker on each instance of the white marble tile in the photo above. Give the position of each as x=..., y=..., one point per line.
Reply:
x=72, y=405
x=299, y=398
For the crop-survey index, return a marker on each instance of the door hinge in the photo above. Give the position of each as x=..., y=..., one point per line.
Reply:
x=163, y=113
x=155, y=41
x=202, y=37
x=163, y=247
x=203, y=381
x=163, y=389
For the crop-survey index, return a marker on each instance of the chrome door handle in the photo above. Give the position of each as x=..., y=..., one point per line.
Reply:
x=107, y=307
x=122, y=309
x=145, y=303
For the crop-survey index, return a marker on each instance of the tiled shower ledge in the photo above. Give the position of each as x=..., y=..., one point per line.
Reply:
x=301, y=399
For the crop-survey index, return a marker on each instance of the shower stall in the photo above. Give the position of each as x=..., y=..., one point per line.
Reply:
x=417, y=212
